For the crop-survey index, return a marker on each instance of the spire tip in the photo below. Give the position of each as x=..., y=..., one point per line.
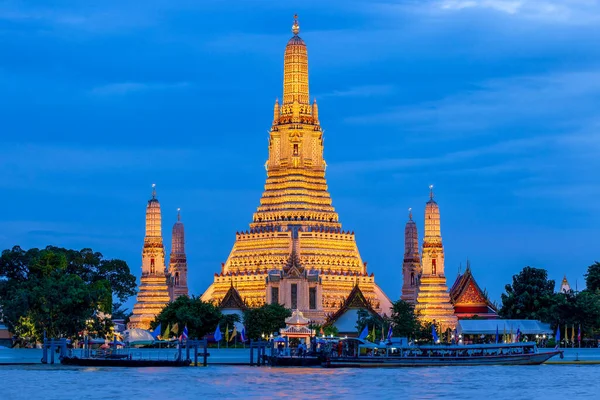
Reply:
x=295, y=27
x=431, y=192
x=154, y=190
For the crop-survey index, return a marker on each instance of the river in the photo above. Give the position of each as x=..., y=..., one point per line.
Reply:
x=50, y=382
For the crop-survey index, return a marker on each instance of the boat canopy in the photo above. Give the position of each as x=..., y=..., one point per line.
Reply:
x=491, y=326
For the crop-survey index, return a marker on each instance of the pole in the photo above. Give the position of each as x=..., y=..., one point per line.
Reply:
x=251, y=354
x=205, y=342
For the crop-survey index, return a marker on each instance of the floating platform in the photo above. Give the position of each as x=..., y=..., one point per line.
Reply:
x=287, y=361
x=122, y=362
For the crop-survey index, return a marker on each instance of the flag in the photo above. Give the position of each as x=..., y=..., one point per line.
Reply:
x=434, y=334
x=511, y=335
x=389, y=335
x=167, y=332
x=573, y=333
x=382, y=332
x=227, y=333
x=557, y=338
x=496, y=334
x=156, y=331
x=504, y=334
x=518, y=337
x=579, y=333
x=233, y=334
x=175, y=328
x=217, y=335
x=243, y=334
x=364, y=332
x=321, y=331
x=184, y=334
x=373, y=333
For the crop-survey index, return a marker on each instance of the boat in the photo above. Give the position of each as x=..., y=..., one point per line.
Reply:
x=370, y=355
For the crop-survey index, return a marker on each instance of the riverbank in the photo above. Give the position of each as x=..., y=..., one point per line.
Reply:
x=242, y=356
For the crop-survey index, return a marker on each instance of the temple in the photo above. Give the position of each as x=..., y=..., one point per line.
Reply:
x=433, y=300
x=424, y=282
x=295, y=252
x=159, y=286
x=153, y=292
x=411, y=266
x=469, y=300
x=178, y=261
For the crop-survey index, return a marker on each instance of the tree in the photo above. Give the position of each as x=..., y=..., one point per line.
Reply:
x=372, y=322
x=57, y=291
x=404, y=320
x=592, y=277
x=200, y=317
x=531, y=296
x=266, y=319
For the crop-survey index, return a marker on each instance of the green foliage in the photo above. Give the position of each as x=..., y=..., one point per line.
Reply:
x=531, y=296
x=574, y=309
x=592, y=277
x=200, y=317
x=266, y=319
x=366, y=319
x=58, y=290
x=404, y=320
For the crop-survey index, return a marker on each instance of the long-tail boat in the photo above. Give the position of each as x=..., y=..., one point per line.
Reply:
x=367, y=354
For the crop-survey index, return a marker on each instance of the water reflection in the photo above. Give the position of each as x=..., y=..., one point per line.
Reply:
x=57, y=382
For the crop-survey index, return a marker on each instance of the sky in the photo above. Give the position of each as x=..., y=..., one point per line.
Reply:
x=494, y=102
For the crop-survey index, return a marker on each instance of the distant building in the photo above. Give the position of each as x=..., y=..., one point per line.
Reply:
x=564, y=286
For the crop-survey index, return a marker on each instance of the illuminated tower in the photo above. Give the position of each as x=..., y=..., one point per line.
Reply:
x=296, y=252
x=178, y=261
x=433, y=299
x=412, y=261
x=153, y=292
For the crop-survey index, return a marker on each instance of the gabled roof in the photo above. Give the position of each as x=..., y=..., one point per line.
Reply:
x=356, y=299
x=233, y=300
x=293, y=268
x=465, y=292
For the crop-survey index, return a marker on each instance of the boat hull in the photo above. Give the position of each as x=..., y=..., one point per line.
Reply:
x=107, y=362
x=398, y=362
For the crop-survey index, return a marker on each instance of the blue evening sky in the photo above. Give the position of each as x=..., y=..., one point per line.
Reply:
x=495, y=102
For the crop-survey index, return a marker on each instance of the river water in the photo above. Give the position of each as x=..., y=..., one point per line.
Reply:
x=528, y=382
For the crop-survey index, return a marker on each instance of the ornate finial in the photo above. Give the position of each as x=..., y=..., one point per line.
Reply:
x=410, y=213
x=154, y=190
x=431, y=192
x=295, y=27
x=179, y=214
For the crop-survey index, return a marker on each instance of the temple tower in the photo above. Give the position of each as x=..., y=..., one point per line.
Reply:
x=433, y=299
x=153, y=294
x=178, y=261
x=412, y=261
x=564, y=286
x=296, y=252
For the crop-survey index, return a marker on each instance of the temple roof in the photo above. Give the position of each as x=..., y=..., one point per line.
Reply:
x=233, y=300
x=356, y=299
x=293, y=268
x=297, y=318
x=467, y=296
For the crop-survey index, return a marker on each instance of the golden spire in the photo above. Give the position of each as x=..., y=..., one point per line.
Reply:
x=410, y=213
x=430, y=192
x=179, y=214
x=295, y=69
x=154, y=190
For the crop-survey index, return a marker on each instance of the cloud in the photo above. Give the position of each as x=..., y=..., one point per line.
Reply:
x=565, y=11
x=123, y=88
x=361, y=91
x=562, y=100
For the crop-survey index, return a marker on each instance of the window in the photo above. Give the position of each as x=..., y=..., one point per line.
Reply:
x=176, y=278
x=312, y=298
x=152, y=269
x=434, y=266
x=295, y=149
x=412, y=279
x=294, y=292
x=274, y=295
